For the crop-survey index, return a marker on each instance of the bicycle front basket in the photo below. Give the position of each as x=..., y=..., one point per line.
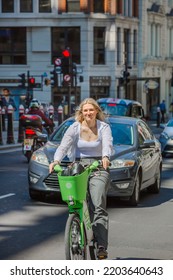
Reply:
x=74, y=186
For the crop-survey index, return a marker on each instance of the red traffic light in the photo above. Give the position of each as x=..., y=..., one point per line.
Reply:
x=66, y=53
x=31, y=81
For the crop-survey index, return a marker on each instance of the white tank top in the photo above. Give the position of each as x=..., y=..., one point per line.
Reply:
x=87, y=149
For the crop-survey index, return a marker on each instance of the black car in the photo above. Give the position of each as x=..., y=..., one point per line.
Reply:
x=136, y=165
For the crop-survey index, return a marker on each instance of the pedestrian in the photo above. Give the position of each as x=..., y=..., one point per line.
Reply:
x=7, y=100
x=158, y=116
x=87, y=139
x=163, y=111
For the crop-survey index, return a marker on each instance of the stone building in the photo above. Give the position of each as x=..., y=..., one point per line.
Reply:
x=118, y=47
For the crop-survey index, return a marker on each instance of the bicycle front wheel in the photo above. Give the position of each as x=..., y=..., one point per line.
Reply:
x=74, y=250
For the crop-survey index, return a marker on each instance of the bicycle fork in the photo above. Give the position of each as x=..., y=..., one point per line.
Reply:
x=85, y=221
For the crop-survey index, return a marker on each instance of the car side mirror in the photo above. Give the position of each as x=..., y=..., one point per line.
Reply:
x=43, y=138
x=148, y=144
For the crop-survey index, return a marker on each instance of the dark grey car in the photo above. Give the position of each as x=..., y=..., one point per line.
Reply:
x=136, y=165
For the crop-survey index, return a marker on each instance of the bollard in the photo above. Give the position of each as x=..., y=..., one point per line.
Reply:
x=51, y=112
x=3, y=120
x=20, y=130
x=1, y=142
x=10, y=136
x=60, y=114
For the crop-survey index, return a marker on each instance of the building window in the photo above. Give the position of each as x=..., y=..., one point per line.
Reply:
x=126, y=46
x=98, y=6
x=26, y=6
x=127, y=8
x=13, y=45
x=63, y=37
x=8, y=6
x=135, y=47
x=44, y=6
x=99, y=45
x=73, y=5
x=118, y=46
x=119, y=7
x=155, y=40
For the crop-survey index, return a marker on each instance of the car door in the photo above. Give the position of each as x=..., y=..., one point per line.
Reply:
x=148, y=155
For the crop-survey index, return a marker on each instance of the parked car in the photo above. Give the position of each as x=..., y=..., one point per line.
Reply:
x=166, y=138
x=136, y=165
x=121, y=107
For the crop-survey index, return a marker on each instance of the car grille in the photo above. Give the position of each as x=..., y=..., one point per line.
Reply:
x=168, y=147
x=51, y=181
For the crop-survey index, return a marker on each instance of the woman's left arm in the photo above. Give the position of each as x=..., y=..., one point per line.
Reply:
x=107, y=141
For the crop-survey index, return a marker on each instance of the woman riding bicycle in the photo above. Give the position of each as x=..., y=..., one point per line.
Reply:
x=89, y=139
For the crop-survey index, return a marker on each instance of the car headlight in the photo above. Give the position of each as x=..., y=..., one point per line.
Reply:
x=40, y=158
x=119, y=163
x=164, y=135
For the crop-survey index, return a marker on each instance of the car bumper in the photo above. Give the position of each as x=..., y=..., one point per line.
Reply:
x=122, y=181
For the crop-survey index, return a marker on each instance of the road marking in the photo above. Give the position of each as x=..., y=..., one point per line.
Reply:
x=6, y=195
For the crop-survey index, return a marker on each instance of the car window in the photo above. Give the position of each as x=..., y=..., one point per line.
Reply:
x=144, y=133
x=60, y=132
x=136, y=111
x=114, y=109
x=123, y=134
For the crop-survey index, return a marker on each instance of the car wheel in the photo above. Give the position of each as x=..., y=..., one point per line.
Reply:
x=134, y=198
x=155, y=188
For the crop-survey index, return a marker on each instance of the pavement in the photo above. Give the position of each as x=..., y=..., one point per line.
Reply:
x=152, y=124
x=16, y=144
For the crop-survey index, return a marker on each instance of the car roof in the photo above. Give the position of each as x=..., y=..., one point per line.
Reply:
x=118, y=101
x=122, y=119
x=119, y=119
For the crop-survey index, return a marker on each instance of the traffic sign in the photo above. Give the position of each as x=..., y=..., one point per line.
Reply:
x=57, y=61
x=67, y=78
x=58, y=69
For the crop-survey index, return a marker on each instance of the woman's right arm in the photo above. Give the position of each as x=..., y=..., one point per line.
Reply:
x=66, y=142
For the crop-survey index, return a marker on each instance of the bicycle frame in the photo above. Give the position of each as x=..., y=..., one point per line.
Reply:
x=81, y=208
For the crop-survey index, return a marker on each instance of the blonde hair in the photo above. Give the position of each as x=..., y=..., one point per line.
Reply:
x=79, y=116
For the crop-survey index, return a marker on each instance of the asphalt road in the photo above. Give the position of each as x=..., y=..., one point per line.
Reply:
x=33, y=230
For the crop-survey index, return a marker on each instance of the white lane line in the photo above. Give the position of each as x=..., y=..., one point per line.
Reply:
x=6, y=195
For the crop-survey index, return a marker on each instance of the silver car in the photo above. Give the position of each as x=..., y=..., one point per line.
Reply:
x=136, y=165
x=166, y=138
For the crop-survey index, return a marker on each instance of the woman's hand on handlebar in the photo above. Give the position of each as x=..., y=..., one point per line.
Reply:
x=52, y=164
x=105, y=162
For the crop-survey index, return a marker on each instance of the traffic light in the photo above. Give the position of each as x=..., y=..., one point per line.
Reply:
x=22, y=81
x=66, y=63
x=31, y=82
x=53, y=78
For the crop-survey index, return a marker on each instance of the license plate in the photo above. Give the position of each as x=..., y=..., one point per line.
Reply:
x=28, y=144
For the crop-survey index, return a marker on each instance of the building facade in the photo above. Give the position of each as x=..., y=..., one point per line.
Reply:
x=116, y=45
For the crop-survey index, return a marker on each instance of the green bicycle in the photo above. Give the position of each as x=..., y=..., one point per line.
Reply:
x=79, y=237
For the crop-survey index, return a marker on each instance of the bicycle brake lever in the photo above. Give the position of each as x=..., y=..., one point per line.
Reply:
x=57, y=168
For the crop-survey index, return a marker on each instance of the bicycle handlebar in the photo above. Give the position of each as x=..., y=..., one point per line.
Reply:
x=91, y=167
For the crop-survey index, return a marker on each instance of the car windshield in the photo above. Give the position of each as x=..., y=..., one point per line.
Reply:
x=61, y=130
x=170, y=123
x=115, y=109
x=122, y=133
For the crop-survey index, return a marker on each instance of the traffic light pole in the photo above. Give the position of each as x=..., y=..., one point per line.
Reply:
x=27, y=90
